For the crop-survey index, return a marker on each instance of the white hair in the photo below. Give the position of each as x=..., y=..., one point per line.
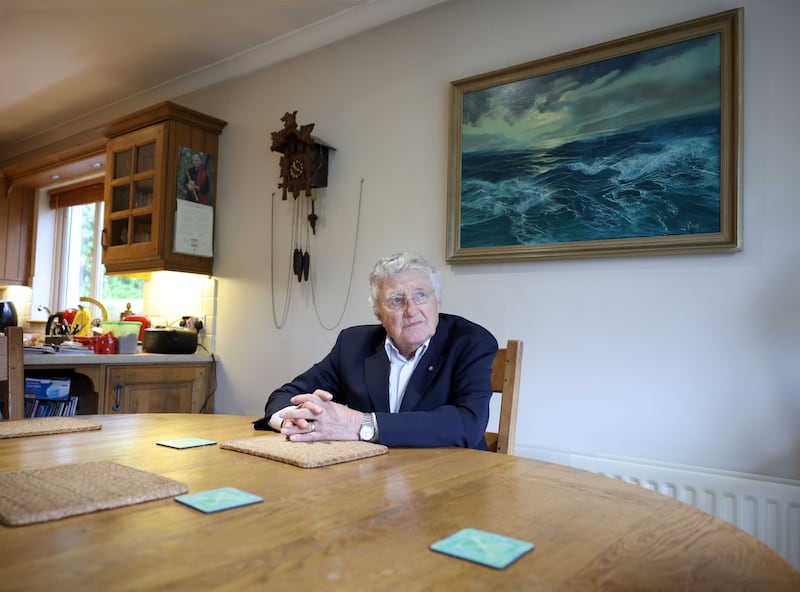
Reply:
x=398, y=263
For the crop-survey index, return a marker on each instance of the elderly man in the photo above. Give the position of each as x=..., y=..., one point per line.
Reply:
x=421, y=378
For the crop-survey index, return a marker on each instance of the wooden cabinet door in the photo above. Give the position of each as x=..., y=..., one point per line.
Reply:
x=166, y=388
x=17, y=211
x=134, y=196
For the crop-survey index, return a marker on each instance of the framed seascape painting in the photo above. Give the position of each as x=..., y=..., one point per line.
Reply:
x=629, y=147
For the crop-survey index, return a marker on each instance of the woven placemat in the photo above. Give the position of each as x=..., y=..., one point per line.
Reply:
x=40, y=426
x=307, y=455
x=52, y=493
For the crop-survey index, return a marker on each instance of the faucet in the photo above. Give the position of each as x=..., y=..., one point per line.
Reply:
x=42, y=307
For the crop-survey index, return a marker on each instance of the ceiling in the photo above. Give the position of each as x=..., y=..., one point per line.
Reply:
x=66, y=63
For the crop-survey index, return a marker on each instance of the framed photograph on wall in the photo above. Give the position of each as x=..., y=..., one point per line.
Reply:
x=629, y=147
x=195, y=176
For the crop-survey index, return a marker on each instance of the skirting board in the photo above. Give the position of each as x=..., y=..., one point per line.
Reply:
x=765, y=507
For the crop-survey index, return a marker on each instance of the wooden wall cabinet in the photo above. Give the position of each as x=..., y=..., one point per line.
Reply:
x=143, y=183
x=156, y=389
x=17, y=226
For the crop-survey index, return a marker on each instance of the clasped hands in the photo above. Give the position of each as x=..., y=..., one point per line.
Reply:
x=317, y=417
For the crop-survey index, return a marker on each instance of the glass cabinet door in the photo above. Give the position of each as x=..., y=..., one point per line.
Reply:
x=132, y=184
x=132, y=195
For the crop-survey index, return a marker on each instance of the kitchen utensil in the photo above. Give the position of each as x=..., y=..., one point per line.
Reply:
x=8, y=315
x=60, y=323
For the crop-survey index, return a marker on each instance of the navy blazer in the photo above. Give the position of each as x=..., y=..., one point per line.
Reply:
x=446, y=402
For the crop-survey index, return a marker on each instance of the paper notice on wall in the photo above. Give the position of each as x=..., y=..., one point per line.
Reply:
x=194, y=229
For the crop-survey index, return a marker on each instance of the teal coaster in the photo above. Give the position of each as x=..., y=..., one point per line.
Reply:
x=216, y=500
x=483, y=547
x=186, y=442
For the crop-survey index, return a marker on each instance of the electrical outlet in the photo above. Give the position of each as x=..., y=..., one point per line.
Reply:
x=197, y=323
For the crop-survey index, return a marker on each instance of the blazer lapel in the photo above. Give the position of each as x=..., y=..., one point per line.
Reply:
x=376, y=376
x=423, y=375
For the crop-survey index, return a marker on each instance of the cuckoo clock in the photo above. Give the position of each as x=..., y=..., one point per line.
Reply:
x=304, y=164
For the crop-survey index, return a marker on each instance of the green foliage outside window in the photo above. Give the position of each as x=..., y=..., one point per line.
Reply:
x=114, y=287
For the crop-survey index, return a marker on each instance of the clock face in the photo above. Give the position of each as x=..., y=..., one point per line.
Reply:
x=304, y=162
x=296, y=168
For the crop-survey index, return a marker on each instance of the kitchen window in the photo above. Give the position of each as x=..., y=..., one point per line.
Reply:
x=72, y=217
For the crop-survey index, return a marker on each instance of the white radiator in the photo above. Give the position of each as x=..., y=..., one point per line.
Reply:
x=765, y=507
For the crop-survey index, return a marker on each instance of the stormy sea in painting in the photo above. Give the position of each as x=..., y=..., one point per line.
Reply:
x=660, y=180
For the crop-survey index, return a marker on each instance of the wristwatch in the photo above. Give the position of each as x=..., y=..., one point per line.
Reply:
x=367, y=433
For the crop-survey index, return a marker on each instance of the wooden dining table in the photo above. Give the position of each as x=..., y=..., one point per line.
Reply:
x=366, y=524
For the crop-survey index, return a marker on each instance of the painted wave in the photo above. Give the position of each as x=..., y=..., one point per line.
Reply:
x=658, y=181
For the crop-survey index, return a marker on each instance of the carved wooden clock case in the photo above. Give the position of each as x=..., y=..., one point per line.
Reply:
x=304, y=164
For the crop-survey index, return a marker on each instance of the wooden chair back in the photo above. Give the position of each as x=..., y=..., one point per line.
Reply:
x=12, y=372
x=506, y=370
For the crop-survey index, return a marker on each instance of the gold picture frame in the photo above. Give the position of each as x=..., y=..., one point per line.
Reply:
x=630, y=147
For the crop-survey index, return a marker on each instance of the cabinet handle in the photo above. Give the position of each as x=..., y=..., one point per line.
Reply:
x=118, y=404
x=103, y=244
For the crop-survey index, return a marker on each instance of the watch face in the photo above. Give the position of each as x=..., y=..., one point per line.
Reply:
x=296, y=168
x=366, y=433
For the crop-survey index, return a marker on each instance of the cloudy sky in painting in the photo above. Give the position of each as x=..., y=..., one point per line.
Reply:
x=605, y=97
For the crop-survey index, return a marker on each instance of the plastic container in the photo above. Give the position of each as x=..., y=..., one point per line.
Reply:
x=126, y=333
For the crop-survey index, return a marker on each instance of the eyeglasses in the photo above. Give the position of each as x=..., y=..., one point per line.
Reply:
x=400, y=301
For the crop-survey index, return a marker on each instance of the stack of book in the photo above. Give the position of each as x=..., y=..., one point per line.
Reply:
x=50, y=408
x=49, y=397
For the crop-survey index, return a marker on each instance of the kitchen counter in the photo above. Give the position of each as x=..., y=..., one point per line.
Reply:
x=131, y=383
x=73, y=359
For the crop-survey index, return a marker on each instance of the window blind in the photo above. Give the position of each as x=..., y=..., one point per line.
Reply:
x=76, y=194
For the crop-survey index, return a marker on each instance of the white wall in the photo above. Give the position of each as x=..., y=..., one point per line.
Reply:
x=690, y=359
